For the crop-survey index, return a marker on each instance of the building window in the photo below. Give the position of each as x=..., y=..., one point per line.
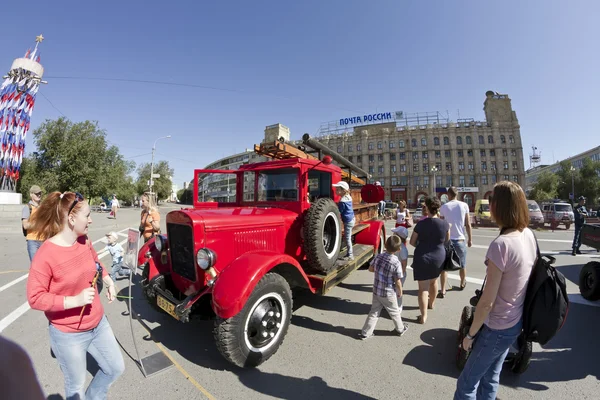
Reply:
x=448, y=166
x=403, y=181
x=413, y=142
x=502, y=139
x=350, y=158
x=425, y=167
x=511, y=139
x=460, y=153
x=380, y=169
x=403, y=168
x=415, y=167
x=393, y=169
x=482, y=153
x=359, y=159
x=436, y=141
x=370, y=145
x=494, y=179
x=394, y=181
x=382, y=181
x=461, y=180
x=484, y=180
x=448, y=181
x=493, y=165
x=492, y=153
x=423, y=142
x=392, y=156
x=358, y=147
x=468, y=140
x=504, y=152
x=349, y=148
x=506, y=177
x=484, y=166
x=471, y=180
x=481, y=139
x=401, y=144
x=339, y=149
x=371, y=169
x=415, y=155
x=515, y=165
x=490, y=139
x=461, y=166
x=392, y=144
x=513, y=153
x=505, y=164
x=416, y=180
x=446, y=141
x=379, y=145
x=403, y=156
x=380, y=157
x=371, y=158
x=470, y=165
x=425, y=155
x=438, y=180
x=447, y=153
x=438, y=166
x=515, y=179
x=425, y=181
x=458, y=140
x=469, y=153
x=438, y=154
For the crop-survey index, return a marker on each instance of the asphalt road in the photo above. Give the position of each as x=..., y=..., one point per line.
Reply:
x=321, y=357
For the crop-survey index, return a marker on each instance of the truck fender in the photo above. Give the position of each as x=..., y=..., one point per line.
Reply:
x=370, y=236
x=236, y=282
x=155, y=266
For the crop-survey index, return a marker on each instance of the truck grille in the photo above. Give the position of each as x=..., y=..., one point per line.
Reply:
x=181, y=243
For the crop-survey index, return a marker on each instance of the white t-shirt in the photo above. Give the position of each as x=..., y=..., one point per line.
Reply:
x=454, y=212
x=114, y=203
x=400, y=216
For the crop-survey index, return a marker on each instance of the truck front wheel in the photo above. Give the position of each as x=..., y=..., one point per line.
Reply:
x=253, y=335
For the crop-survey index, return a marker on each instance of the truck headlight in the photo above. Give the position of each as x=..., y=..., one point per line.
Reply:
x=160, y=243
x=206, y=258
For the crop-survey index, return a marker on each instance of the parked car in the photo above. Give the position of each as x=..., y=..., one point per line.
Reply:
x=417, y=215
x=536, y=218
x=482, y=213
x=558, y=213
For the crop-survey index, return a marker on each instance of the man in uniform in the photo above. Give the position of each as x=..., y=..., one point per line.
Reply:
x=33, y=242
x=580, y=214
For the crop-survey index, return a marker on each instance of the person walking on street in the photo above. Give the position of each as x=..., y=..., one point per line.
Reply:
x=387, y=289
x=342, y=189
x=580, y=215
x=498, y=317
x=428, y=238
x=114, y=205
x=31, y=236
x=402, y=215
x=150, y=218
x=457, y=214
x=62, y=283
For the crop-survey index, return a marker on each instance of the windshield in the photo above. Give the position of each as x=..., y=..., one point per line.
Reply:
x=485, y=207
x=563, y=207
x=533, y=207
x=278, y=185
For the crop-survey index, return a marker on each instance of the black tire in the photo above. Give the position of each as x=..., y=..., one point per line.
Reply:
x=466, y=319
x=589, y=281
x=238, y=338
x=322, y=235
x=522, y=360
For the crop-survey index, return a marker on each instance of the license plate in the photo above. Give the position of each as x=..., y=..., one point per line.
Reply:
x=167, y=306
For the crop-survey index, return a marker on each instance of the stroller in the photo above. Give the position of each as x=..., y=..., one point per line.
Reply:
x=519, y=354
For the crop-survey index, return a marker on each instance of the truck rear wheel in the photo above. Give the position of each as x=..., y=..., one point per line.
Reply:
x=322, y=235
x=253, y=335
x=589, y=281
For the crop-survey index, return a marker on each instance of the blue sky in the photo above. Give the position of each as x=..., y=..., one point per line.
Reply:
x=303, y=63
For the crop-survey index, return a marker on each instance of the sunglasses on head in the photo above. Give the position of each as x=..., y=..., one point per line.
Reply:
x=78, y=198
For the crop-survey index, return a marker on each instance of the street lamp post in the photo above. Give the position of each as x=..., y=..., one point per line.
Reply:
x=434, y=169
x=573, y=182
x=152, y=164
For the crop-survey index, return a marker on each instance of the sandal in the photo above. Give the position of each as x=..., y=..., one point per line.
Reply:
x=420, y=320
x=441, y=295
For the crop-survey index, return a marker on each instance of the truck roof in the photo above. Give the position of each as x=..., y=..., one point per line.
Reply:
x=291, y=162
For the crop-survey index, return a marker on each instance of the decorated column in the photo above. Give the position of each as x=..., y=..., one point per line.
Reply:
x=17, y=98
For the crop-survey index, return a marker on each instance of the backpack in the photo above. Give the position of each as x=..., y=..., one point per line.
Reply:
x=25, y=230
x=546, y=302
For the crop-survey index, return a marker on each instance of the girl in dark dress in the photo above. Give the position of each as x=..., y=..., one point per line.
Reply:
x=428, y=239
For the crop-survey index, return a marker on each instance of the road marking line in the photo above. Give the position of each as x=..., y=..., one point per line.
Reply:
x=13, y=282
x=12, y=317
x=457, y=277
x=13, y=271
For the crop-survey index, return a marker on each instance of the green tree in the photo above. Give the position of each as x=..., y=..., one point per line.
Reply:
x=75, y=157
x=546, y=187
x=585, y=180
x=185, y=196
x=162, y=186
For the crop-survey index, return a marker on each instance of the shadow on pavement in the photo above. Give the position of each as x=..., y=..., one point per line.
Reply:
x=289, y=388
x=437, y=355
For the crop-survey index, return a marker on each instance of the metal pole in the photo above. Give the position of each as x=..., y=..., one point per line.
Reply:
x=152, y=168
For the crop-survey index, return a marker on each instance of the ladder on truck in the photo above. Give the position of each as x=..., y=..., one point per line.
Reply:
x=284, y=151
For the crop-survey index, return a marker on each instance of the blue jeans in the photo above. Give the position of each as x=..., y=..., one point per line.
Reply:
x=481, y=376
x=32, y=247
x=70, y=350
x=577, y=237
x=348, y=236
x=461, y=249
x=117, y=269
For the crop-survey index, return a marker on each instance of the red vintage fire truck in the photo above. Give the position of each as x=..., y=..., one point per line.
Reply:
x=239, y=260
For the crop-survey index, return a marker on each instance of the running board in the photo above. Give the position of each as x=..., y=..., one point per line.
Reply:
x=323, y=283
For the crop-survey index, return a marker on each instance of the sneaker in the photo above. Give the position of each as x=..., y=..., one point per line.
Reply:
x=364, y=337
x=394, y=331
x=578, y=252
x=573, y=253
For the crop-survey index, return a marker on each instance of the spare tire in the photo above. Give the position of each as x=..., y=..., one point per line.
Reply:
x=322, y=235
x=589, y=281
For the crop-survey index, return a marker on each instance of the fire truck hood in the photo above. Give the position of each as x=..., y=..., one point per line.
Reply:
x=241, y=217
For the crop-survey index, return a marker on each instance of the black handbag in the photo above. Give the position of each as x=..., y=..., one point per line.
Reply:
x=452, y=262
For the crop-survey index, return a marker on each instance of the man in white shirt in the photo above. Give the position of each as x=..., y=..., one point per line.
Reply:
x=457, y=214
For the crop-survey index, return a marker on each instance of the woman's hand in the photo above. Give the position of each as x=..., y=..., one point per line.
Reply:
x=467, y=343
x=111, y=293
x=85, y=297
